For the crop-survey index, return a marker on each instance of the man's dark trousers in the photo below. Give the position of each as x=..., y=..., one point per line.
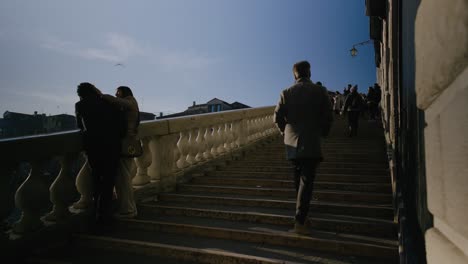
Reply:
x=104, y=161
x=353, y=122
x=304, y=176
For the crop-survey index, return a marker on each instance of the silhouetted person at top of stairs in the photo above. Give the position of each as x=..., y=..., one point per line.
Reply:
x=303, y=115
x=353, y=106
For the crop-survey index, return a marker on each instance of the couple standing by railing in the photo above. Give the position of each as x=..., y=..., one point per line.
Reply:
x=109, y=127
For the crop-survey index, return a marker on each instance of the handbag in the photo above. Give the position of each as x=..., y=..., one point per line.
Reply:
x=131, y=147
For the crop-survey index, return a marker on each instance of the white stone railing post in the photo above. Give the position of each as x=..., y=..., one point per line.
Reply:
x=192, y=147
x=30, y=197
x=183, y=147
x=143, y=162
x=168, y=166
x=242, y=133
x=85, y=186
x=200, y=142
x=228, y=137
x=215, y=139
x=220, y=149
x=209, y=142
x=61, y=190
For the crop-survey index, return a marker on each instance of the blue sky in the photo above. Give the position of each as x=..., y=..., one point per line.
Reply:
x=176, y=51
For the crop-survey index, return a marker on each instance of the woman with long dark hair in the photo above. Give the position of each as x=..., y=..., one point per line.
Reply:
x=123, y=184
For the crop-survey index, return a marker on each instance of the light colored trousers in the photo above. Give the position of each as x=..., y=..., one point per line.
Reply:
x=124, y=188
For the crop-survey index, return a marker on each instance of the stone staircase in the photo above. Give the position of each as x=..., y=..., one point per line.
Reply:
x=241, y=213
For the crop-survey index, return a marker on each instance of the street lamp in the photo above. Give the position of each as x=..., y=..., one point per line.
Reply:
x=354, y=51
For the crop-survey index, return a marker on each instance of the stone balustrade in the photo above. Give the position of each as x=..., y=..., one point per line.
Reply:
x=171, y=148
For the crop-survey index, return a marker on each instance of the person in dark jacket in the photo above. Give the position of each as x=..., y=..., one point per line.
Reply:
x=353, y=106
x=102, y=128
x=303, y=116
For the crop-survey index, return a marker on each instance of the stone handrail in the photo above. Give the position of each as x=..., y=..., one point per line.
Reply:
x=171, y=147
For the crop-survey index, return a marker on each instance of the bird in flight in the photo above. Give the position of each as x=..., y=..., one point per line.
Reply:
x=119, y=64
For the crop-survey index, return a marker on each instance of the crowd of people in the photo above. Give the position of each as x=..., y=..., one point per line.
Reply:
x=355, y=104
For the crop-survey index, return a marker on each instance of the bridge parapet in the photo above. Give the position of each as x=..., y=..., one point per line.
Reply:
x=171, y=147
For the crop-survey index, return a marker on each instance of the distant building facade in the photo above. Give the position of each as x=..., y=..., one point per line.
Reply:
x=18, y=124
x=147, y=116
x=15, y=124
x=214, y=105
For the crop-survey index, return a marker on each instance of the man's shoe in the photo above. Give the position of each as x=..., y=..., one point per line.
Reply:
x=128, y=215
x=300, y=229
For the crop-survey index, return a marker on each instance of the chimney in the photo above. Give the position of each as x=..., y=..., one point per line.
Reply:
x=194, y=103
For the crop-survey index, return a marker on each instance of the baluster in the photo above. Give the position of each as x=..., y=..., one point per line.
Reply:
x=183, y=150
x=221, y=138
x=154, y=147
x=258, y=127
x=216, y=140
x=192, y=147
x=61, y=190
x=169, y=160
x=142, y=163
x=209, y=143
x=250, y=130
x=271, y=126
x=242, y=133
x=227, y=137
x=234, y=134
x=85, y=186
x=30, y=197
x=263, y=127
x=200, y=141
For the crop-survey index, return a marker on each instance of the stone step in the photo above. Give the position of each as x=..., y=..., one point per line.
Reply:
x=288, y=176
x=281, y=157
x=341, y=208
x=370, y=227
x=326, y=164
x=213, y=250
x=331, y=150
x=320, y=169
x=271, y=183
x=318, y=195
x=68, y=255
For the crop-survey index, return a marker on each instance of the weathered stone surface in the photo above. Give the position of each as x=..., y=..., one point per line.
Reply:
x=434, y=169
x=441, y=46
x=440, y=250
x=454, y=143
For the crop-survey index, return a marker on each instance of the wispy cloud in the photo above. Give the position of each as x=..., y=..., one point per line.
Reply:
x=185, y=60
x=116, y=47
x=119, y=48
x=51, y=96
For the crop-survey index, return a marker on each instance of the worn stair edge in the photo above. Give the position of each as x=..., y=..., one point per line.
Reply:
x=332, y=208
x=380, y=228
x=278, y=238
x=278, y=183
x=319, y=176
x=318, y=195
x=179, y=252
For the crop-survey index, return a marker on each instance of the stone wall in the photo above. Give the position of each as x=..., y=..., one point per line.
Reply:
x=441, y=39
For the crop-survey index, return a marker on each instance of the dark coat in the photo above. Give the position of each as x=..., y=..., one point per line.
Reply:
x=102, y=124
x=354, y=102
x=304, y=115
